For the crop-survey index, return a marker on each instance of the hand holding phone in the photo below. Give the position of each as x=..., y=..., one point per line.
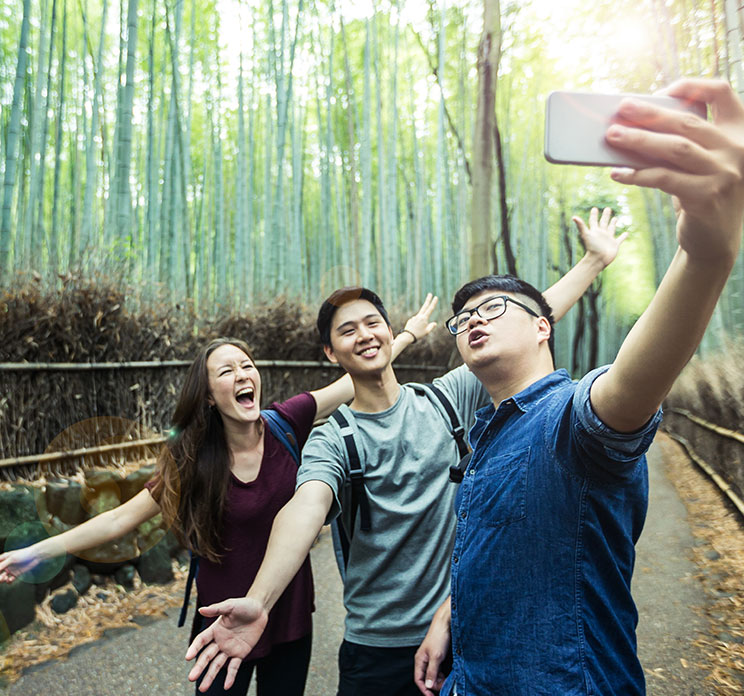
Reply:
x=576, y=123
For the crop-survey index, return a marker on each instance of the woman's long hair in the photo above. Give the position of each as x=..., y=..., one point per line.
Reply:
x=194, y=465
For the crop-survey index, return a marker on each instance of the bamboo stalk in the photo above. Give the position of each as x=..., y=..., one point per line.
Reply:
x=720, y=482
x=71, y=454
x=719, y=430
x=140, y=365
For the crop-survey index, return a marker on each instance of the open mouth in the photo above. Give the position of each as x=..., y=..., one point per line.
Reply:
x=476, y=337
x=245, y=396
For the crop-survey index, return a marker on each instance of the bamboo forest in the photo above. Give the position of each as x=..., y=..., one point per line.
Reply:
x=231, y=151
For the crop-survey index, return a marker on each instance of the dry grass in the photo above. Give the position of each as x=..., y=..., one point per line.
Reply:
x=712, y=387
x=89, y=320
x=720, y=556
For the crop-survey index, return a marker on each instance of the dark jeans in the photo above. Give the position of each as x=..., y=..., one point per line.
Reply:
x=367, y=671
x=281, y=673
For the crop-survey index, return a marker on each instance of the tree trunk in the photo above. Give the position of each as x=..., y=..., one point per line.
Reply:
x=505, y=213
x=353, y=186
x=11, y=148
x=123, y=195
x=38, y=146
x=733, y=43
x=482, y=259
x=86, y=235
x=54, y=240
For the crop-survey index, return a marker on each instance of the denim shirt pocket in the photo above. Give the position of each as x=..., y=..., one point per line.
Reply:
x=500, y=488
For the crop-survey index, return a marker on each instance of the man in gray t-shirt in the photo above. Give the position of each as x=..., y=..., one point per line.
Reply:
x=397, y=572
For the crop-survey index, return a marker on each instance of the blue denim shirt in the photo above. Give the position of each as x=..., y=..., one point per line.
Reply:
x=548, y=514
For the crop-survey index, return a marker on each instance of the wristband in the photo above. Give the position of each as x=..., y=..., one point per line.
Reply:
x=413, y=335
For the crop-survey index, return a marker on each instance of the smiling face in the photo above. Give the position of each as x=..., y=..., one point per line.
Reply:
x=234, y=384
x=361, y=340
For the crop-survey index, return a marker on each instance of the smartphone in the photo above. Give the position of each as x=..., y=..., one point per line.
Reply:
x=576, y=123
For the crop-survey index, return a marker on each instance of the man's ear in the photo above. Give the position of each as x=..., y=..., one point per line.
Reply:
x=328, y=350
x=544, y=329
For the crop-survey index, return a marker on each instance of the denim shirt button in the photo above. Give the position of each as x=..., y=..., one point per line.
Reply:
x=455, y=558
x=472, y=472
x=463, y=515
x=458, y=651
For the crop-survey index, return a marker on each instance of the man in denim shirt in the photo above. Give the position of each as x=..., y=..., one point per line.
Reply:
x=555, y=495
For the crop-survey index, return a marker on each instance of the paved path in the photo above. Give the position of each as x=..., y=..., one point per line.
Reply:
x=149, y=661
x=667, y=593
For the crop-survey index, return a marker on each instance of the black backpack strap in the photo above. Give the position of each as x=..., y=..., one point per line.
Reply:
x=458, y=432
x=356, y=474
x=341, y=546
x=193, y=569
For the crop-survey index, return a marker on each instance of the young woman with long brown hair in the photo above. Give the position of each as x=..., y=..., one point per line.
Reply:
x=222, y=477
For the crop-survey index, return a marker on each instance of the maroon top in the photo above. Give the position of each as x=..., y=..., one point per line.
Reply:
x=250, y=511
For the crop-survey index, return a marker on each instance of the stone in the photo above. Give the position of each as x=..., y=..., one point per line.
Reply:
x=712, y=555
x=150, y=533
x=17, y=605
x=17, y=506
x=102, y=478
x=102, y=499
x=63, y=576
x=124, y=576
x=57, y=526
x=171, y=543
x=107, y=557
x=136, y=481
x=64, y=501
x=64, y=601
x=81, y=579
x=155, y=565
x=101, y=491
x=40, y=593
x=145, y=619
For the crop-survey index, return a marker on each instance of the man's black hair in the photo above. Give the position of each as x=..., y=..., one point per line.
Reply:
x=340, y=297
x=505, y=283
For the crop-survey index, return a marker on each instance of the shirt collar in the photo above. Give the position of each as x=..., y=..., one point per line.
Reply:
x=537, y=391
x=529, y=397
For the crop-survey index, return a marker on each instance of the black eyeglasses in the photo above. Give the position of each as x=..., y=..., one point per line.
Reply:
x=489, y=309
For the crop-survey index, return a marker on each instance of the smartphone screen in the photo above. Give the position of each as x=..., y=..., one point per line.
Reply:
x=576, y=123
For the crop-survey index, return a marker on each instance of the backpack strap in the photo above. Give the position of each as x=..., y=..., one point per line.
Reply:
x=341, y=546
x=283, y=431
x=456, y=471
x=193, y=569
x=356, y=474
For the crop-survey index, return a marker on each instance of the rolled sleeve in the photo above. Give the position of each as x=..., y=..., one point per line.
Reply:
x=609, y=449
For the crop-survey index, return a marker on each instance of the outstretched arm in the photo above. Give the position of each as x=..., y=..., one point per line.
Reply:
x=107, y=526
x=242, y=621
x=601, y=247
x=706, y=175
x=329, y=398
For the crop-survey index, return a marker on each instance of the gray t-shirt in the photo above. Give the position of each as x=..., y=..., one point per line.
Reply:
x=398, y=573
